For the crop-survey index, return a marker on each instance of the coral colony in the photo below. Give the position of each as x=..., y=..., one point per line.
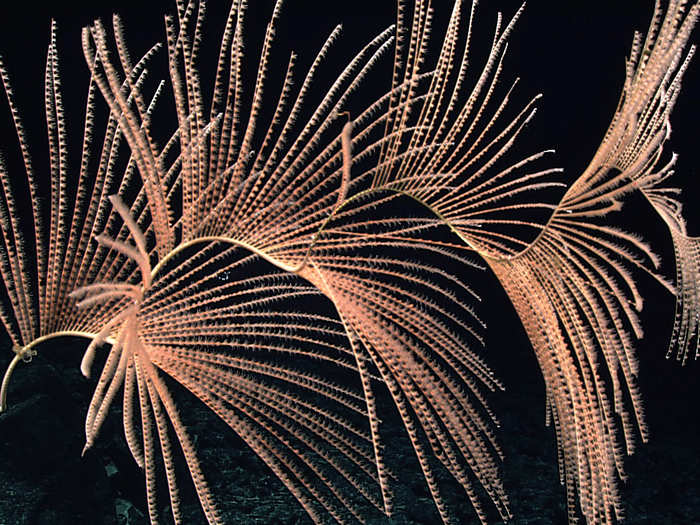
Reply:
x=197, y=249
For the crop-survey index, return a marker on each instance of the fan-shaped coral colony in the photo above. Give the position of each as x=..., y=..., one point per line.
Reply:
x=190, y=255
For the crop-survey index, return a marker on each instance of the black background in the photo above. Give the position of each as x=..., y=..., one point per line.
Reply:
x=573, y=53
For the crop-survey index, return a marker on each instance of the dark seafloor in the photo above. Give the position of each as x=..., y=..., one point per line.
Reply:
x=44, y=480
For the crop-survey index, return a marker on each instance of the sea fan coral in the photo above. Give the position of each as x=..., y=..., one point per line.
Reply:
x=292, y=246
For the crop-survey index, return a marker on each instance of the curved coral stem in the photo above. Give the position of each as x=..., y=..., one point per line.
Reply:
x=21, y=354
x=26, y=353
